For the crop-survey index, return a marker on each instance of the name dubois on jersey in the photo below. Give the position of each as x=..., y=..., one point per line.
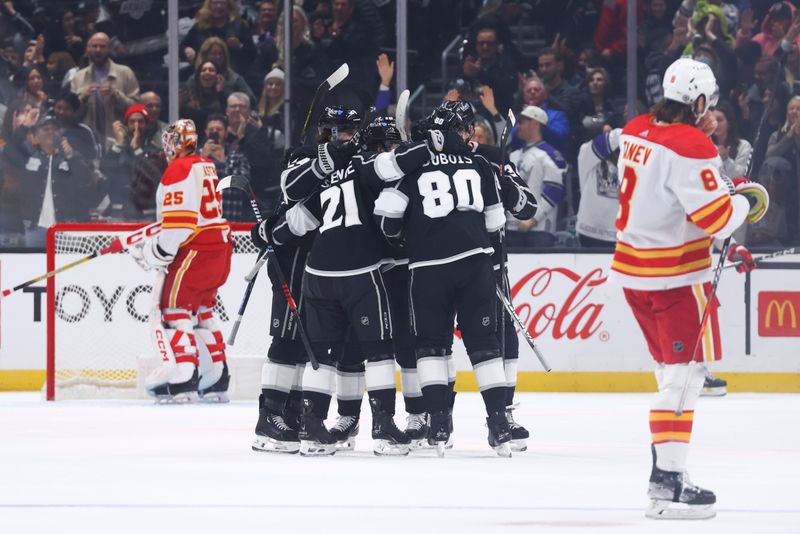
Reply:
x=444, y=159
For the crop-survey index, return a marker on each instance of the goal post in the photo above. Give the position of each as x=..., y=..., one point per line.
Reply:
x=98, y=340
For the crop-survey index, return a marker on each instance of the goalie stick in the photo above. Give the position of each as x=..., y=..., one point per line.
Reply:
x=322, y=90
x=241, y=183
x=118, y=245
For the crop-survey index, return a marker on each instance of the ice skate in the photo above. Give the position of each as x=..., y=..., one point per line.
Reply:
x=273, y=434
x=714, y=386
x=439, y=431
x=519, y=434
x=499, y=434
x=417, y=430
x=344, y=431
x=673, y=496
x=387, y=439
x=213, y=386
x=173, y=383
x=315, y=440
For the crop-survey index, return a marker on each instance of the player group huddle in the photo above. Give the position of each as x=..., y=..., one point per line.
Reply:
x=386, y=241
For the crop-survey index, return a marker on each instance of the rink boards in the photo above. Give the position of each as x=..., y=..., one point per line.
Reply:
x=580, y=321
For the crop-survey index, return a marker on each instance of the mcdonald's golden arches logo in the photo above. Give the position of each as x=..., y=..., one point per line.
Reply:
x=779, y=313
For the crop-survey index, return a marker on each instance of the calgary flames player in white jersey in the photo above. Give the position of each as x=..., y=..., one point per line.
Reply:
x=673, y=203
x=193, y=252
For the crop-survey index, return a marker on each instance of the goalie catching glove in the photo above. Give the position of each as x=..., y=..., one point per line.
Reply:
x=738, y=253
x=756, y=195
x=151, y=256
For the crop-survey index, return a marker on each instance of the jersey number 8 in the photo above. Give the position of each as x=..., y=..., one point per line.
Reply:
x=438, y=201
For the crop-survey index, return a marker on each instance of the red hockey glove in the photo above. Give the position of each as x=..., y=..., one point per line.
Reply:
x=738, y=253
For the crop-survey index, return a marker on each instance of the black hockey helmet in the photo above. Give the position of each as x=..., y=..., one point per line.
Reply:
x=456, y=115
x=381, y=131
x=339, y=117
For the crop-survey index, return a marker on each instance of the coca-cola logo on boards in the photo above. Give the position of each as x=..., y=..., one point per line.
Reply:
x=572, y=317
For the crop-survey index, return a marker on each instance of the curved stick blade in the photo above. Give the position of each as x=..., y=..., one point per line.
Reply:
x=401, y=114
x=338, y=75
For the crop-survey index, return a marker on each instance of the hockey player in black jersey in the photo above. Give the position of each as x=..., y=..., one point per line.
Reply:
x=520, y=203
x=280, y=403
x=450, y=214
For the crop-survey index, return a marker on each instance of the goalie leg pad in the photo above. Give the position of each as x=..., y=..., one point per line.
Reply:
x=214, y=378
x=179, y=368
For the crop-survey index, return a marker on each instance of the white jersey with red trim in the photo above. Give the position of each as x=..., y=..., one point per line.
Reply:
x=189, y=205
x=672, y=202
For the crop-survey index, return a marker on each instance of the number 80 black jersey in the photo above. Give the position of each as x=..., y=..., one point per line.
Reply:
x=445, y=210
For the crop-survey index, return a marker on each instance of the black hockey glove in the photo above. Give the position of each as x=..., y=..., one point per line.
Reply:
x=334, y=156
x=259, y=233
x=447, y=141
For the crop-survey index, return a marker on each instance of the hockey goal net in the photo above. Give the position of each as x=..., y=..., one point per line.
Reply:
x=98, y=339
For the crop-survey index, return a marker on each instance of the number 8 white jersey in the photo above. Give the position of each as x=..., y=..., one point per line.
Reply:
x=672, y=202
x=445, y=210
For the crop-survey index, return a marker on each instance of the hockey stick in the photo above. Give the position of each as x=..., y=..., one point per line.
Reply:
x=727, y=243
x=778, y=254
x=510, y=309
x=330, y=82
x=241, y=183
x=118, y=245
x=401, y=115
x=503, y=285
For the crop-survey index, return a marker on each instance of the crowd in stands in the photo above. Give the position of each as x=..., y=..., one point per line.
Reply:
x=83, y=97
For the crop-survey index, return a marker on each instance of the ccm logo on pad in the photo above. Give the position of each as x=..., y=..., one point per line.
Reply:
x=779, y=313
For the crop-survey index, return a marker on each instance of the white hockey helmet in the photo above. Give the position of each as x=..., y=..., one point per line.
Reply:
x=686, y=80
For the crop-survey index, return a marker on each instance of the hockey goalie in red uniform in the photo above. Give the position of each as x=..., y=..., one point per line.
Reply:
x=193, y=256
x=673, y=203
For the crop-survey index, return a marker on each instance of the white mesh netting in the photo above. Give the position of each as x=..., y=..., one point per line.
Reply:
x=101, y=341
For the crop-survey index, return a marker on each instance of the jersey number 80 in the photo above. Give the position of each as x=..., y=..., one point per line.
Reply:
x=437, y=200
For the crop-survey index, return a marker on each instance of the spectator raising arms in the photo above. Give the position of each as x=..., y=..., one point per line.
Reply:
x=106, y=89
x=492, y=68
x=221, y=18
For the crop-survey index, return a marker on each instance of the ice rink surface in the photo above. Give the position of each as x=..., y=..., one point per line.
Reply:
x=132, y=467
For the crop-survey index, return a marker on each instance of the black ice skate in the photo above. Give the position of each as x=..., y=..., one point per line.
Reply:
x=315, y=440
x=519, y=434
x=345, y=431
x=673, y=496
x=218, y=391
x=417, y=430
x=273, y=434
x=714, y=386
x=439, y=431
x=499, y=434
x=179, y=393
x=387, y=439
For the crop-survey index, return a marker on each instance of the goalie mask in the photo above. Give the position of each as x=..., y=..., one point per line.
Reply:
x=179, y=138
x=686, y=80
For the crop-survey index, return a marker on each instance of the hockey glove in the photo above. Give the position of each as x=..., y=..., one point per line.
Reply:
x=447, y=141
x=150, y=256
x=259, y=233
x=333, y=156
x=738, y=253
x=756, y=195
